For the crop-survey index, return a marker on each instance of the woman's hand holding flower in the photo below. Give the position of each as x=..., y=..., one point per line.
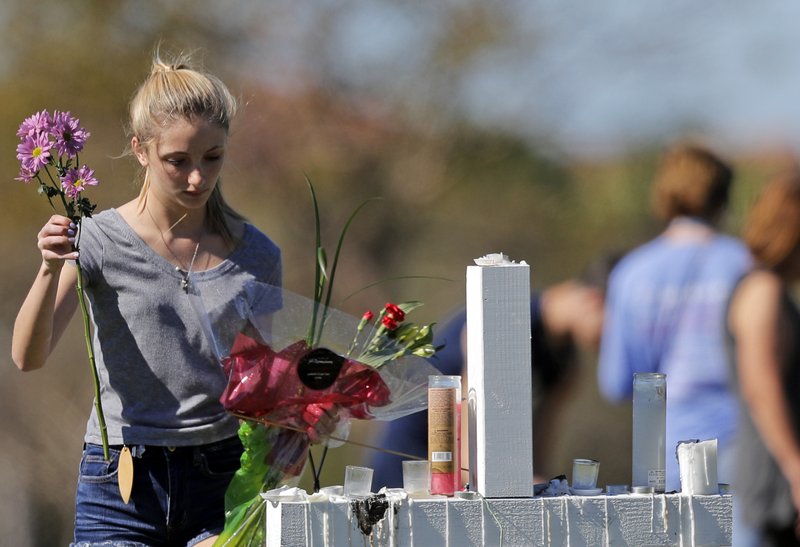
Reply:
x=56, y=242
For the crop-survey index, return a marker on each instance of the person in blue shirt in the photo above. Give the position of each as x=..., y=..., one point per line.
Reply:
x=666, y=301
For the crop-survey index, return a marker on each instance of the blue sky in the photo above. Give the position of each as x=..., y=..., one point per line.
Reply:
x=593, y=77
x=615, y=73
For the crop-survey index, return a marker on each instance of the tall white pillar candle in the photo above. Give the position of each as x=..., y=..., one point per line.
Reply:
x=499, y=378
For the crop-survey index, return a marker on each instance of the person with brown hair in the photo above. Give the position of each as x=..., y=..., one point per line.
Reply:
x=764, y=326
x=666, y=303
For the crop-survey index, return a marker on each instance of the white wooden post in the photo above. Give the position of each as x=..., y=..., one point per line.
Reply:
x=499, y=378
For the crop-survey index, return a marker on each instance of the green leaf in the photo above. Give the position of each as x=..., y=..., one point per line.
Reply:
x=322, y=262
x=425, y=351
x=85, y=207
x=319, y=279
x=336, y=258
x=410, y=306
x=426, y=334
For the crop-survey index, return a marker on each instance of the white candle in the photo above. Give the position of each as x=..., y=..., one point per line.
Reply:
x=698, y=467
x=499, y=385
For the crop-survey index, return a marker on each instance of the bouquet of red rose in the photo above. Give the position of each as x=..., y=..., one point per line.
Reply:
x=291, y=359
x=275, y=375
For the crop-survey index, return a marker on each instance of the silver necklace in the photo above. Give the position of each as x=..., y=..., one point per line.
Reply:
x=181, y=269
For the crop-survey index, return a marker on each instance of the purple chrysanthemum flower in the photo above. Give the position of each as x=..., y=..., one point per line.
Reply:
x=34, y=152
x=33, y=125
x=70, y=136
x=25, y=175
x=77, y=179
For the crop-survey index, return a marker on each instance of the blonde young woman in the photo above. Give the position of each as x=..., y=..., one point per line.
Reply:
x=764, y=324
x=160, y=379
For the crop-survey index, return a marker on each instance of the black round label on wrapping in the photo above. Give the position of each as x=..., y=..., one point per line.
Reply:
x=319, y=368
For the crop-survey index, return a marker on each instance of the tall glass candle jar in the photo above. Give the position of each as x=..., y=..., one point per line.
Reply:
x=444, y=433
x=649, y=429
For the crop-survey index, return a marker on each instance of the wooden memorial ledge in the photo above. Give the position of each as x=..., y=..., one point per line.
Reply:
x=575, y=521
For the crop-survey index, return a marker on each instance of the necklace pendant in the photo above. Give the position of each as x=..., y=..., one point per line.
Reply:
x=185, y=284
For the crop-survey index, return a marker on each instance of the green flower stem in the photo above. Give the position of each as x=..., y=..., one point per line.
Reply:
x=319, y=271
x=98, y=406
x=354, y=343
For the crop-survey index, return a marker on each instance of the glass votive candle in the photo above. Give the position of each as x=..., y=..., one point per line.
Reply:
x=584, y=474
x=357, y=480
x=417, y=477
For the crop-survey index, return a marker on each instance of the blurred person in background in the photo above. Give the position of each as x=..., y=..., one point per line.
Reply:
x=764, y=326
x=565, y=318
x=666, y=305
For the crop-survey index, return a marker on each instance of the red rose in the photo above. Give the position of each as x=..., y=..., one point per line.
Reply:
x=389, y=322
x=394, y=311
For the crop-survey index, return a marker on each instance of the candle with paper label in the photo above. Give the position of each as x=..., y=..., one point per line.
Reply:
x=444, y=433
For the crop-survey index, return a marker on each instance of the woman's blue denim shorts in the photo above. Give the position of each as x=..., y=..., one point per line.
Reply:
x=177, y=498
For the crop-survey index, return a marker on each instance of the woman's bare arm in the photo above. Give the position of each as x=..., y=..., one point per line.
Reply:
x=755, y=320
x=51, y=300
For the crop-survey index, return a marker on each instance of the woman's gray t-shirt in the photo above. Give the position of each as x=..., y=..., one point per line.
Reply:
x=160, y=377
